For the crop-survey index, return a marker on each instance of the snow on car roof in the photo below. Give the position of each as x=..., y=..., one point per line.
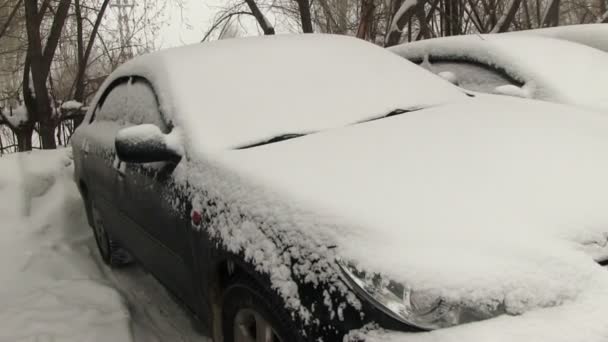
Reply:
x=594, y=35
x=552, y=69
x=241, y=91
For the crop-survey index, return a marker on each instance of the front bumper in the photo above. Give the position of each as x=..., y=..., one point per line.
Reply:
x=582, y=320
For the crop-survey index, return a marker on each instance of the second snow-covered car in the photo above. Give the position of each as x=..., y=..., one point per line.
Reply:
x=519, y=65
x=307, y=188
x=593, y=35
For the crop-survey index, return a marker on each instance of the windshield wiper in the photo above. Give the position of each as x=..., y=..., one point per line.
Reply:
x=393, y=112
x=278, y=138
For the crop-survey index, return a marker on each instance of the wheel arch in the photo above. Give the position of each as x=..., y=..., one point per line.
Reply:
x=85, y=194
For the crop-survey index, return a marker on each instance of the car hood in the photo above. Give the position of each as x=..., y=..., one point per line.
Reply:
x=484, y=201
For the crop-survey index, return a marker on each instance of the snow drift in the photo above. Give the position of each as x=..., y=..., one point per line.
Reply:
x=52, y=289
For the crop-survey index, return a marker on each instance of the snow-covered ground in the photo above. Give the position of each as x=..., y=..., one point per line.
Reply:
x=54, y=286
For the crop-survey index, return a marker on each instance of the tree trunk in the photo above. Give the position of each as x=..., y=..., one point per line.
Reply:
x=24, y=138
x=367, y=16
x=47, y=135
x=38, y=62
x=305, y=17
x=452, y=18
x=260, y=18
x=551, y=17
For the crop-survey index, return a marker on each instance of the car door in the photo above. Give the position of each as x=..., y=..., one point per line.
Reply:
x=151, y=201
x=98, y=155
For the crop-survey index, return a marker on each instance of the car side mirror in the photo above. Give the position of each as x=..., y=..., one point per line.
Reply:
x=146, y=144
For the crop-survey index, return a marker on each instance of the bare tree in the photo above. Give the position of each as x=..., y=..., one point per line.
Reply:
x=38, y=64
x=260, y=17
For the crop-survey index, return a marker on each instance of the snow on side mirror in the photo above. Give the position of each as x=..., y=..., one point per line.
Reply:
x=512, y=90
x=449, y=76
x=146, y=144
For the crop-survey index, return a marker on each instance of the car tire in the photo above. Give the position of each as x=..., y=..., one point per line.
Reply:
x=110, y=250
x=252, y=314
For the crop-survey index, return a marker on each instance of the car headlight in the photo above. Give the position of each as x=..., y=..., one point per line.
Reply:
x=422, y=309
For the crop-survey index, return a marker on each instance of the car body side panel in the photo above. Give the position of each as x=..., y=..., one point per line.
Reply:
x=156, y=210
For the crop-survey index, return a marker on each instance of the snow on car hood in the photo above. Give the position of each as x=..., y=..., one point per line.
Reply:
x=484, y=201
x=574, y=74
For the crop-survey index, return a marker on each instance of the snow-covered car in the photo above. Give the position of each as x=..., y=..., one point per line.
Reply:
x=521, y=65
x=593, y=35
x=317, y=187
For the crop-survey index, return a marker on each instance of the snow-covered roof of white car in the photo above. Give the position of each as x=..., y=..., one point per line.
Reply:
x=236, y=92
x=550, y=69
x=594, y=35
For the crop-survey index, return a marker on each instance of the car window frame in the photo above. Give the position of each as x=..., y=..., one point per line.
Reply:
x=125, y=80
x=502, y=72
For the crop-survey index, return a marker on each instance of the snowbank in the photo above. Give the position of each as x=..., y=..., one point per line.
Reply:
x=52, y=289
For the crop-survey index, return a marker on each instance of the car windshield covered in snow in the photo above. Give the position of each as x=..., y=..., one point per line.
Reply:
x=282, y=85
x=520, y=65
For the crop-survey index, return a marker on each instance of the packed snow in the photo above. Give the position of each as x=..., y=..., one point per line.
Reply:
x=553, y=69
x=594, y=35
x=54, y=287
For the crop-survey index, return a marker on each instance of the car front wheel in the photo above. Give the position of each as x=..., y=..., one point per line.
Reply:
x=251, y=314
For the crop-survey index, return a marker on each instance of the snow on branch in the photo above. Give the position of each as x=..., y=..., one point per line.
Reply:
x=14, y=117
x=71, y=109
x=405, y=10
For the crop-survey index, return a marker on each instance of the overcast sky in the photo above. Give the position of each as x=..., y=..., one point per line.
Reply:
x=197, y=17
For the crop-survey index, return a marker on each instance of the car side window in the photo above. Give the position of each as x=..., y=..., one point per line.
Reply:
x=473, y=76
x=131, y=102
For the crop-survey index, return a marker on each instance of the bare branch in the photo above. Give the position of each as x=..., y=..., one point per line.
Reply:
x=10, y=18
x=507, y=18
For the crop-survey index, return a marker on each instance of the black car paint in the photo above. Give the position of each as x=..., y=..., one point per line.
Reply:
x=150, y=215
